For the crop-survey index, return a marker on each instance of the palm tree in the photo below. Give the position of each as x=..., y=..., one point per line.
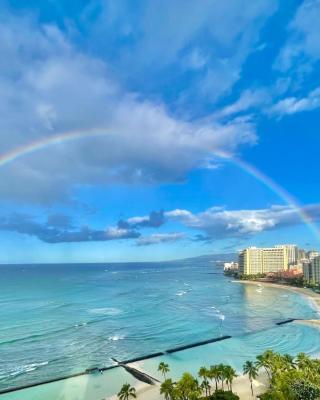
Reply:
x=167, y=388
x=127, y=392
x=214, y=373
x=230, y=374
x=289, y=360
x=206, y=387
x=250, y=369
x=204, y=374
x=163, y=368
x=303, y=361
x=222, y=374
x=187, y=388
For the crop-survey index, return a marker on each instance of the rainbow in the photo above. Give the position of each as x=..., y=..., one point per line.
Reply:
x=46, y=142
x=258, y=175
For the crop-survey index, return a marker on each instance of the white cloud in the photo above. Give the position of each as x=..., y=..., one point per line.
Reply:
x=219, y=223
x=52, y=88
x=292, y=105
x=303, y=45
x=166, y=37
x=249, y=99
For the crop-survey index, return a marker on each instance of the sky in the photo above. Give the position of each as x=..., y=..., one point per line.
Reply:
x=155, y=130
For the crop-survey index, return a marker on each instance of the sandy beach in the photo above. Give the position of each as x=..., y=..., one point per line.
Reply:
x=313, y=297
x=241, y=386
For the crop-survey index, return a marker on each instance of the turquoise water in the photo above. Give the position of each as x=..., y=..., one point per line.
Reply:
x=61, y=319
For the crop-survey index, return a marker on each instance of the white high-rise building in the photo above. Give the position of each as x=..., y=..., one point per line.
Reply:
x=311, y=270
x=312, y=254
x=254, y=260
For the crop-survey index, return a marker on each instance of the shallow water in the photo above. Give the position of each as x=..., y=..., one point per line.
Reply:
x=61, y=319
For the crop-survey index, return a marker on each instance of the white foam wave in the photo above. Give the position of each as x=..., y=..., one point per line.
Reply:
x=115, y=338
x=181, y=293
x=27, y=368
x=106, y=311
x=80, y=324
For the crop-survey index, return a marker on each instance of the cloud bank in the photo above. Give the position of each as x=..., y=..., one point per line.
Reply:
x=213, y=224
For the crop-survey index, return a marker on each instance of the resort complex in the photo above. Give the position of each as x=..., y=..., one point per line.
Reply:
x=281, y=260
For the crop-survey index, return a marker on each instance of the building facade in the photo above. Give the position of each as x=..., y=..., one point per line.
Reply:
x=292, y=251
x=254, y=260
x=311, y=270
x=312, y=254
x=231, y=266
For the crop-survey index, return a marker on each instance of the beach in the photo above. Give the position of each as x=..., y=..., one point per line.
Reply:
x=240, y=386
x=312, y=296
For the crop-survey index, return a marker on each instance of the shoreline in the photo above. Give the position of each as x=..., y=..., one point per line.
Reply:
x=240, y=386
x=313, y=297
x=241, y=383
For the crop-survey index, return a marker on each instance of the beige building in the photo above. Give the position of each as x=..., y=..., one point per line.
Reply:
x=254, y=260
x=311, y=270
x=292, y=251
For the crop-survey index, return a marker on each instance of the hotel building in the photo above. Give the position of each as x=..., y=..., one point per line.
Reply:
x=292, y=251
x=312, y=254
x=311, y=270
x=254, y=260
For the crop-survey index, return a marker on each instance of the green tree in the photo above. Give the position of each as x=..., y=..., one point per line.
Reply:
x=187, y=388
x=204, y=373
x=230, y=374
x=289, y=360
x=205, y=386
x=214, y=373
x=304, y=390
x=224, y=395
x=163, y=368
x=127, y=392
x=167, y=389
x=222, y=375
x=265, y=360
x=303, y=361
x=250, y=369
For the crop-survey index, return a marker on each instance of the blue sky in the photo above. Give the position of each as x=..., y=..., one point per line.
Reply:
x=180, y=91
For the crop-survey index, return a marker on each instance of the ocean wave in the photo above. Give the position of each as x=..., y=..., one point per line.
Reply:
x=218, y=314
x=181, y=293
x=106, y=311
x=80, y=324
x=25, y=368
x=115, y=338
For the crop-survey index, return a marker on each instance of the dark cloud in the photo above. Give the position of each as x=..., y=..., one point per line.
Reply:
x=154, y=220
x=49, y=233
x=202, y=238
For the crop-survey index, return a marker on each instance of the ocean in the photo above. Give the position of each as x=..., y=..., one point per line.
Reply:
x=62, y=319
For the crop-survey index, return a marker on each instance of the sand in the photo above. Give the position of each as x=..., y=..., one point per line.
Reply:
x=241, y=386
x=312, y=296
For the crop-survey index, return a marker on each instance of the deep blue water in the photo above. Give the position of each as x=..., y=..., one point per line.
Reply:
x=60, y=319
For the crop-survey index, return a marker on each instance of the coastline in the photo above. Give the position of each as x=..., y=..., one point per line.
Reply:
x=241, y=383
x=313, y=297
x=240, y=386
